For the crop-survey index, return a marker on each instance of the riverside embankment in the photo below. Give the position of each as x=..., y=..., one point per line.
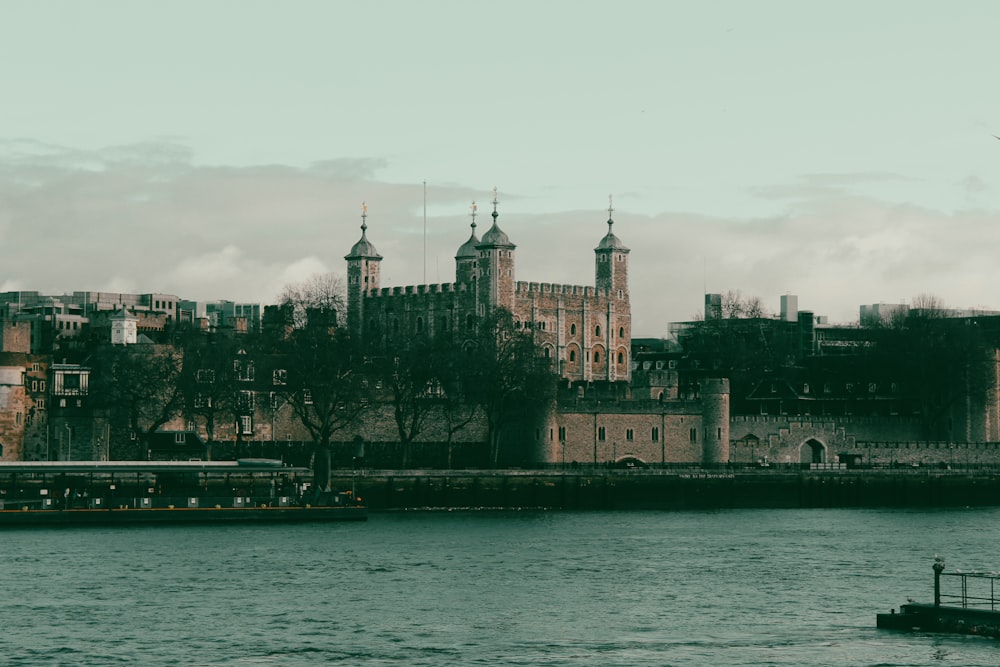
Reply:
x=671, y=489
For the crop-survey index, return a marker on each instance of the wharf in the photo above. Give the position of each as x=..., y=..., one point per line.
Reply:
x=973, y=609
x=674, y=488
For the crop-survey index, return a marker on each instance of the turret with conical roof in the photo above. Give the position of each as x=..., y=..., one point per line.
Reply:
x=496, y=267
x=362, y=276
x=612, y=261
x=465, y=258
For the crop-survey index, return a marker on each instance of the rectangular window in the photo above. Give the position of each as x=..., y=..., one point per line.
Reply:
x=551, y=435
x=280, y=376
x=694, y=435
x=274, y=400
x=205, y=375
x=34, y=385
x=562, y=433
x=307, y=397
x=40, y=404
x=244, y=401
x=246, y=425
x=655, y=436
x=179, y=438
x=602, y=435
x=629, y=434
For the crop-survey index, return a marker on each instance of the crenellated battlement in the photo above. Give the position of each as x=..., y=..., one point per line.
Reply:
x=524, y=288
x=418, y=290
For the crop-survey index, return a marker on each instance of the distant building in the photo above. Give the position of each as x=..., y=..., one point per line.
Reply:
x=124, y=328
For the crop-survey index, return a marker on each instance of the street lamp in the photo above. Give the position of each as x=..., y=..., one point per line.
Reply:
x=69, y=442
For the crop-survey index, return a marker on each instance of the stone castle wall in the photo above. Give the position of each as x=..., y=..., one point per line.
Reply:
x=870, y=440
x=585, y=330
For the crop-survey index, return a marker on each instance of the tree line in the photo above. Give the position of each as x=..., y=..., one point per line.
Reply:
x=328, y=380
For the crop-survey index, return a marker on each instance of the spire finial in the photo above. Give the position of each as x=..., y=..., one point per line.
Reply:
x=364, y=217
x=611, y=209
x=473, y=217
x=495, y=200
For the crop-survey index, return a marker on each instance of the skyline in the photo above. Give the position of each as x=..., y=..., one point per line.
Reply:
x=845, y=154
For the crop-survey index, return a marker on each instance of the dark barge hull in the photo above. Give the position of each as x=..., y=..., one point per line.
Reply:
x=918, y=617
x=178, y=515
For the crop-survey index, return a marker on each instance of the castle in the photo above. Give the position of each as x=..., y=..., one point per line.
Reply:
x=585, y=330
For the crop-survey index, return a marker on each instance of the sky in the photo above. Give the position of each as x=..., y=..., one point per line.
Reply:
x=843, y=152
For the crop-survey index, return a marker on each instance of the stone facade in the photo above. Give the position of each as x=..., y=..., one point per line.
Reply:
x=586, y=330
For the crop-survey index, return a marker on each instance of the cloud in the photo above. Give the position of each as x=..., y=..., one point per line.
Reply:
x=147, y=218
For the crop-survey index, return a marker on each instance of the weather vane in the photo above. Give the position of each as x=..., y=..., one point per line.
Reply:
x=364, y=216
x=473, y=215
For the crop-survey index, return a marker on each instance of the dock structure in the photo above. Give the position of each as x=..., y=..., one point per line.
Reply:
x=968, y=605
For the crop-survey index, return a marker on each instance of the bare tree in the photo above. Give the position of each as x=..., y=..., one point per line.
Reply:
x=320, y=292
x=139, y=387
x=208, y=383
x=507, y=377
x=736, y=306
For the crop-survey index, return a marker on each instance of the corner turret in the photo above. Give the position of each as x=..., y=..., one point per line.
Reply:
x=612, y=261
x=465, y=258
x=362, y=276
x=495, y=285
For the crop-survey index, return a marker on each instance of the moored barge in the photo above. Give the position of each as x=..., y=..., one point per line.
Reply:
x=153, y=492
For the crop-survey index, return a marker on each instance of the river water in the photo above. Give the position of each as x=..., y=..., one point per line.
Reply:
x=742, y=587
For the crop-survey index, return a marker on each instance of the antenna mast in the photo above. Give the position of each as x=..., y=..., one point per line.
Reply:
x=425, y=231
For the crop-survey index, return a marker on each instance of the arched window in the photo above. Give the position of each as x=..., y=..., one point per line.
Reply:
x=597, y=357
x=548, y=353
x=420, y=325
x=621, y=332
x=572, y=355
x=597, y=331
x=470, y=322
x=621, y=357
x=572, y=330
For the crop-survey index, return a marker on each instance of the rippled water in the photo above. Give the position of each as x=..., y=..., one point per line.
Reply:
x=755, y=587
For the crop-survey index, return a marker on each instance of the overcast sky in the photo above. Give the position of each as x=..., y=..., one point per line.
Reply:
x=841, y=151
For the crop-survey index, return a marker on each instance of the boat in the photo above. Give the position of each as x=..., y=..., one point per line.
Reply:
x=973, y=610
x=77, y=493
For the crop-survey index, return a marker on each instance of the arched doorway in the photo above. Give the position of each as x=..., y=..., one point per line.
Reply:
x=812, y=451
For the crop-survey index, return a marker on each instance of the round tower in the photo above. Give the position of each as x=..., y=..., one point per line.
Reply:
x=362, y=277
x=495, y=286
x=465, y=258
x=715, y=420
